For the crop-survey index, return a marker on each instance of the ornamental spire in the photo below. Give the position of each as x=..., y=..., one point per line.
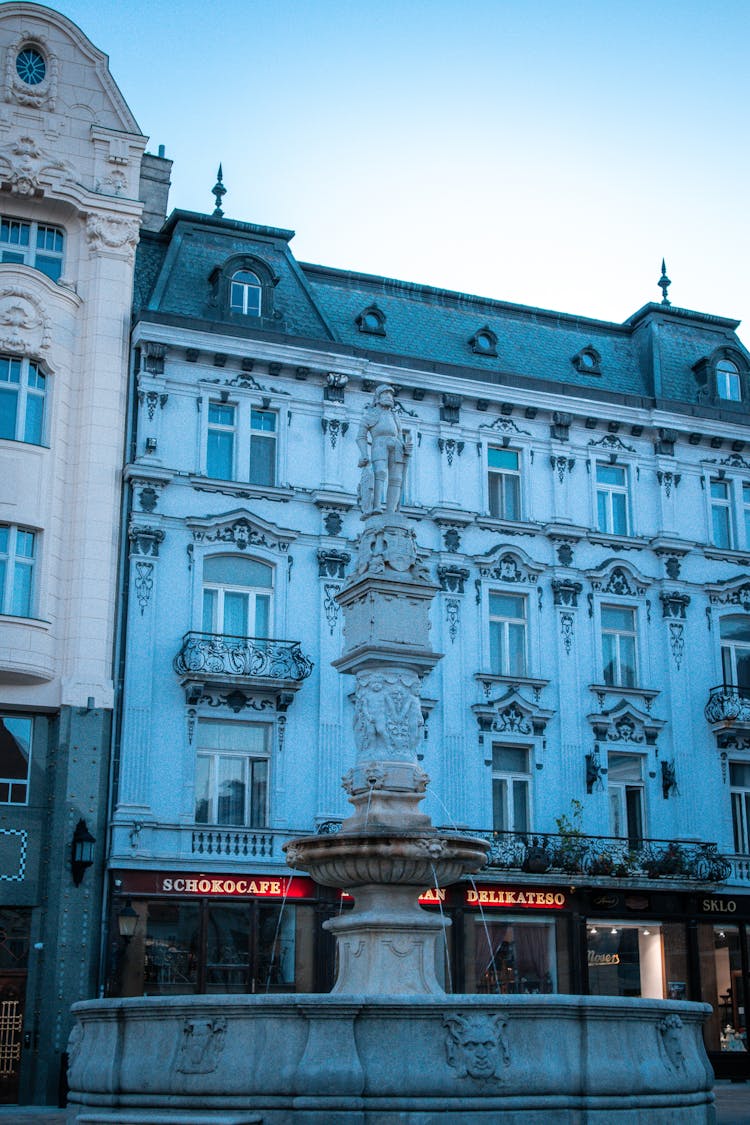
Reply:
x=664, y=284
x=219, y=191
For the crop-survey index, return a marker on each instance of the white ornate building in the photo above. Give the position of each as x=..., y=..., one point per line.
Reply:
x=70, y=167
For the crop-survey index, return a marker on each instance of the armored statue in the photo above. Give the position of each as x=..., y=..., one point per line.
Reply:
x=383, y=454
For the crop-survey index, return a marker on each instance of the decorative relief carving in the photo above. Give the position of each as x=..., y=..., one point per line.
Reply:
x=739, y=596
x=330, y=605
x=145, y=540
x=116, y=183
x=505, y=425
x=668, y=778
x=477, y=1045
x=565, y=592
x=152, y=399
x=668, y=480
x=153, y=355
x=677, y=642
x=620, y=584
x=333, y=427
x=25, y=329
x=388, y=718
x=452, y=578
x=611, y=441
x=672, y=1042
x=566, y=631
x=453, y=617
x=335, y=386
x=332, y=563
x=509, y=568
x=674, y=604
x=561, y=466
x=201, y=1046
x=144, y=583
x=333, y=522
x=26, y=160
x=451, y=448
x=452, y=539
x=110, y=233
x=44, y=93
x=565, y=552
x=243, y=534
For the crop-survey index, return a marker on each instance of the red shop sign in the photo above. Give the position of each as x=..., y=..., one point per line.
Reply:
x=528, y=898
x=199, y=885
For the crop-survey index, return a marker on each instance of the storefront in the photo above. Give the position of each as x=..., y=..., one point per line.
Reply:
x=219, y=933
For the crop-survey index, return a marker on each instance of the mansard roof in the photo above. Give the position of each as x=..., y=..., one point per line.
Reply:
x=650, y=358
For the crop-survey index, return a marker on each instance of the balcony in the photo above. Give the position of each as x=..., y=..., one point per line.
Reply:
x=255, y=664
x=728, y=705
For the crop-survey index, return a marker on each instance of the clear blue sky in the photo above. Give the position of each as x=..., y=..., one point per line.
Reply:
x=544, y=152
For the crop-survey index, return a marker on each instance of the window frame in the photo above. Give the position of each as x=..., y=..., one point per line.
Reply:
x=510, y=778
x=739, y=801
x=251, y=593
x=606, y=490
x=627, y=788
x=503, y=476
x=618, y=681
x=245, y=408
x=717, y=504
x=506, y=623
x=10, y=561
x=12, y=253
x=723, y=375
x=25, y=393
x=12, y=782
x=246, y=287
x=213, y=756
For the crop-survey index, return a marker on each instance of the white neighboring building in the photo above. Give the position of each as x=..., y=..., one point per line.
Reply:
x=70, y=165
x=581, y=492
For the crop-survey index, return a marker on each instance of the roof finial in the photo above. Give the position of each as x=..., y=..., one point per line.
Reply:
x=664, y=284
x=220, y=191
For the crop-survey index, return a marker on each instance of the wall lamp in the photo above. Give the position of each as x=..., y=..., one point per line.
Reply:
x=82, y=851
x=127, y=921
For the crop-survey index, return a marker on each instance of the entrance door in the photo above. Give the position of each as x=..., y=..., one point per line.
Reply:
x=12, y=993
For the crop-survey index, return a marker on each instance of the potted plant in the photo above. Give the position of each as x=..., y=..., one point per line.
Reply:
x=537, y=859
x=571, y=849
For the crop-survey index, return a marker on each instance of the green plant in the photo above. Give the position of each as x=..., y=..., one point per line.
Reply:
x=571, y=849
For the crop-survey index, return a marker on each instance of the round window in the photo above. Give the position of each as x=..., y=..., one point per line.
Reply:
x=371, y=320
x=483, y=341
x=30, y=66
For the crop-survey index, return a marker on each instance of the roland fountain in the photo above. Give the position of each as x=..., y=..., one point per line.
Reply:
x=388, y=1045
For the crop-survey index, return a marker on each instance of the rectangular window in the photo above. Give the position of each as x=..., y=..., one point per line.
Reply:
x=612, y=499
x=262, y=447
x=746, y=511
x=504, y=483
x=625, y=788
x=32, y=244
x=220, y=450
x=619, y=646
x=22, y=395
x=15, y=759
x=511, y=781
x=721, y=514
x=16, y=570
x=231, y=774
x=507, y=634
x=739, y=782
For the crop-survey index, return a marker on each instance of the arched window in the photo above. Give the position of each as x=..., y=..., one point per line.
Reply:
x=237, y=596
x=735, y=652
x=246, y=293
x=728, y=384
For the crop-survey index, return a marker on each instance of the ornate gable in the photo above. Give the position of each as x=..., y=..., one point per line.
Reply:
x=242, y=531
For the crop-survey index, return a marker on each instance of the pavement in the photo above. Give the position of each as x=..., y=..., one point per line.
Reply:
x=732, y=1108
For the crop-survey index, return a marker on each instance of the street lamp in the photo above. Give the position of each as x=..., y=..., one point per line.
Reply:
x=82, y=851
x=127, y=921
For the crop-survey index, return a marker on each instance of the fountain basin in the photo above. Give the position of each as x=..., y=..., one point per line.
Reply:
x=377, y=1060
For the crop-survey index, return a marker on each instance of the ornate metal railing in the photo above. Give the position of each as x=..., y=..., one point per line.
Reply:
x=259, y=657
x=728, y=703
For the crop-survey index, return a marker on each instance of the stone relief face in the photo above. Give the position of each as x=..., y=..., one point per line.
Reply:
x=476, y=1045
x=671, y=1031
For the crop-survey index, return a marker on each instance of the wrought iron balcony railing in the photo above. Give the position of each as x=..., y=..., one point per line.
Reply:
x=214, y=654
x=559, y=853
x=728, y=703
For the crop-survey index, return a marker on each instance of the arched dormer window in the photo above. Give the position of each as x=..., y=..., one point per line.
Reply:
x=588, y=361
x=245, y=294
x=723, y=376
x=728, y=384
x=372, y=321
x=243, y=287
x=484, y=342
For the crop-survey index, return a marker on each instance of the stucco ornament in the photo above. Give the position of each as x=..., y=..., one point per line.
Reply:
x=107, y=232
x=25, y=160
x=476, y=1045
x=672, y=1040
x=387, y=714
x=24, y=328
x=202, y=1043
x=42, y=94
x=383, y=453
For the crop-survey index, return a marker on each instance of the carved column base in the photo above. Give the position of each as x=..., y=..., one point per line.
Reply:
x=387, y=945
x=385, y=796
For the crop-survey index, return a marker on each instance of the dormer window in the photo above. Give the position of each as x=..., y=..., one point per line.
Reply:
x=587, y=361
x=728, y=381
x=246, y=293
x=372, y=321
x=484, y=342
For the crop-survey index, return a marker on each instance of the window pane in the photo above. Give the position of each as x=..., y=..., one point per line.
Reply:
x=203, y=789
x=619, y=514
x=231, y=570
x=258, y=793
x=609, y=657
x=210, y=602
x=15, y=748
x=506, y=605
x=624, y=767
x=735, y=629
x=34, y=419
x=263, y=420
x=235, y=614
x=721, y=526
x=602, y=511
x=21, y=600
x=52, y=267
x=739, y=774
x=496, y=647
x=511, y=759
x=613, y=617
x=512, y=496
x=219, y=414
x=610, y=474
x=520, y=805
x=516, y=650
x=627, y=661
x=230, y=803
x=262, y=460
x=502, y=459
x=8, y=413
x=499, y=804
x=220, y=455
x=719, y=490
x=262, y=615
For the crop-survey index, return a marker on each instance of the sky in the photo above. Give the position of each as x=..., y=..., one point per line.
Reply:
x=546, y=152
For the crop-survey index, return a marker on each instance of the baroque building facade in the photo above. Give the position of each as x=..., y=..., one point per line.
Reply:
x=70, y=179
x=580, y=493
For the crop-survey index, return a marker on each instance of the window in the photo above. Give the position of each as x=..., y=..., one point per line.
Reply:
x=721, y=513
x=33, y=244
x=16, y=570
x=236, y=596
x=231, y=774
x=30, y=66
x=618, y=646
x=504, y=483
x=612, y=499
x=625, y=787
x=262, y=447
x=246, y=292
x=220, y=452
x=510, y=788
x=739, y=784
x=728, y=381
x=484, y=342
x=22, y=394
x=371, y=320
x=508, y=634
x=746, y=510
x=15, y=759
x=735, y=653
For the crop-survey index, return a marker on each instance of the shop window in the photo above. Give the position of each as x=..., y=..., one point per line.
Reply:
x=739, y=781
x=507, y=634
x=625, y=788
x=628, y=960
x=246, y=292
x=728, y=385
x=722, y=987
x=242, y=956
x=17, y=551
x=511, y=783
x=32, y=244
x=612, y=500
x=722, y=531
x=171, y=949
x=231, y=774
x=236, y=596
x=23, y=389
x=15, y=759
x=619, y=645
x=504, y=483
x=735, y=652
x=515, y=956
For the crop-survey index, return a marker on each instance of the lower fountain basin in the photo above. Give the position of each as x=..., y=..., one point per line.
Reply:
x=377, y=1060
x=421, y=859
